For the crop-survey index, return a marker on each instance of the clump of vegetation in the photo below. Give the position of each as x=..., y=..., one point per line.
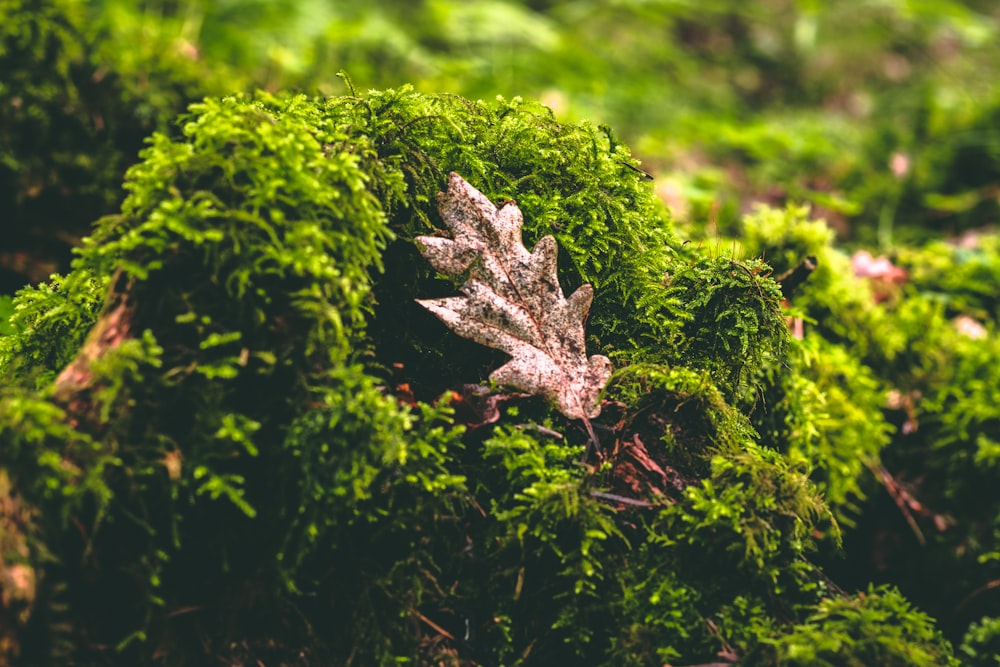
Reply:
x=980, y=645
x=843, y=631
x=234, y=430
x=220, y=399
x=230, y=431
x=913, y=350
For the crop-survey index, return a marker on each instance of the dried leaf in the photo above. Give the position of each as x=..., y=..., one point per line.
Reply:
x=513, y=301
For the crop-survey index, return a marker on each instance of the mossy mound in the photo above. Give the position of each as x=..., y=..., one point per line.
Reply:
x=230, y=433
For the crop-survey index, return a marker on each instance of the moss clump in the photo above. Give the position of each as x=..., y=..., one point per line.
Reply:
x=981, y=644
x=733, y=323
x=892, y=400
x=875, y=628
x=239, y=438
x=825, y=410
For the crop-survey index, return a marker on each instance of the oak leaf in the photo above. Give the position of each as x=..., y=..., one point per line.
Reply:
x=513, y=302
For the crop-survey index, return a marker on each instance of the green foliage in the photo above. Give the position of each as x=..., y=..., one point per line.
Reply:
x=949, y=446
x=886, y=128
x=276, y=198
x=981, y=644
x=75, y=108
x=841, y=305
x=875, y=628
x=897, y=377
x=271, y=303
x=720, y=567
x=199, y=414
x=755, y=515
x=961, y=273
x=572, y=181
x=734, y=324
x=341, y=487
x=49, y=323
x=206, y=399
x=6, y=312
x=42, y=49
x=700, y=422
x=554, y=546
x=354, y=523
x=242, y=267
x=34, y=430
x=877, y=114
x=827, y=414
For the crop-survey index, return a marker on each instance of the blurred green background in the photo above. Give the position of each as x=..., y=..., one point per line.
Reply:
x=883, y=115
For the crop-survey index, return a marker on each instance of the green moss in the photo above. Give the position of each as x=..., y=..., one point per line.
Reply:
x=875, y=628
x=962, y=273
x=75, y=108
x=733, y=324
x=826, y=412
x=6, y=312
x=895, y=378
x=841, y=306
x=235, y=401
x=49, y=323
x=683, y=410
x=981, y=644
x=572, y=181
x=42, y=49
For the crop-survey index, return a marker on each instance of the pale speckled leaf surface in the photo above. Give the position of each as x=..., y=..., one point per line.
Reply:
x=513, y=302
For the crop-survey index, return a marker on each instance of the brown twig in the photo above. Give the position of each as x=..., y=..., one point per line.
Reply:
x=434, y=625
x=902, y=498
x=989, y=585
x=602, y=495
